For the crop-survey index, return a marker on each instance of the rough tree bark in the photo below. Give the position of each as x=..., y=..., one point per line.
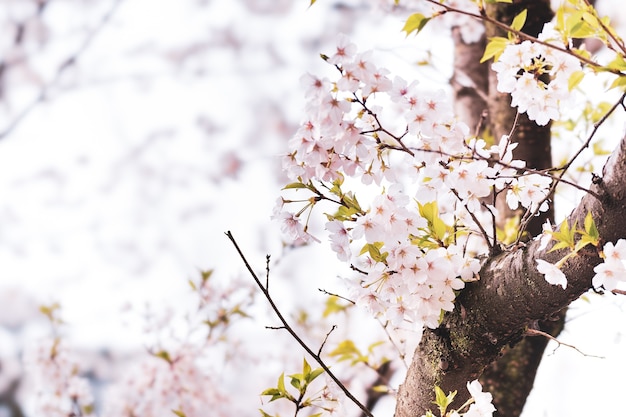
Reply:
x=510, y=297
x=485, y=333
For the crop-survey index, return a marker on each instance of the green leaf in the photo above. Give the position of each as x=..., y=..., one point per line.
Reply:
x=494, y=48
x=334, y=306
x=281, y=384
x=345, y=349
x=264, y=414
x=179, y=413
x=619, y=82
x=590, y=223
x=374, y=251
x=564, y=237
x=314, y=374
x=599, y=150
x=415, y=23
x=163, y=354
x=439, y=228
x=519, y=20
x=618, y=63
x=428, y=210
x=442, y=400
x=344, y=213
x=306, y=368
x=312, y=3
x=589, y=236
x=575, y=79
x=295, y=185
x=274, y=392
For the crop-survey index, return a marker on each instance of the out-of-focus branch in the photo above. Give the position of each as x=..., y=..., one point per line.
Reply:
x=68, y=62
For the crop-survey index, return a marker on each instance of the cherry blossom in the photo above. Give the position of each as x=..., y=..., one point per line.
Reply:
x=482, y=406
x=411, y=254
x=552, y=273
x=536, y=76
x=613, y=270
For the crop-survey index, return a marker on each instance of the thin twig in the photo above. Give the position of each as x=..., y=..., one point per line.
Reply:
x=336, y=295
x=534, y=332
x=267, y=272
x=293, y=334
x=332, y=329
x=480, y=226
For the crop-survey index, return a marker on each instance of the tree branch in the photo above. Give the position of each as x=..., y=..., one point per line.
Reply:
x=292, y=332
x=511, y=294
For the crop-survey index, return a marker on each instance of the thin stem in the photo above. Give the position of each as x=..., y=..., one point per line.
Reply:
x=332, y=329
x=293, y=334
x=480, y=226
x=336, y=295
x=534, y=332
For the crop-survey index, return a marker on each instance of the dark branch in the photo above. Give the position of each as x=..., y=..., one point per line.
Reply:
x=292, y=332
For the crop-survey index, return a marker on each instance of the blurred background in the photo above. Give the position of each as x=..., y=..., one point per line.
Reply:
x=134, y=133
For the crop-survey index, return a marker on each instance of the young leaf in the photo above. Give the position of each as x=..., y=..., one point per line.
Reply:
x=274, y=392
x=306, y=368
x=575, y=79
x=519, y=20
x=295, y=185
x=442, y=400
x=347, y=350
x=619, y=82
x=415, y=23
x=494, y=48
x=314, y=374
x=374, y=251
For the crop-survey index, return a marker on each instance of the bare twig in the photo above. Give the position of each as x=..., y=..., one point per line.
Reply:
x=292, y=332
x=336, y=295
x=332, y=329
x=491, y=245
x=267, y=272
x=534, y=332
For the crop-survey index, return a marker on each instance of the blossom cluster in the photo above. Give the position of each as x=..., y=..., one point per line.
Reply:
x=415, y=243
x=537, y=76
x=175, y=381
x=56, y=388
